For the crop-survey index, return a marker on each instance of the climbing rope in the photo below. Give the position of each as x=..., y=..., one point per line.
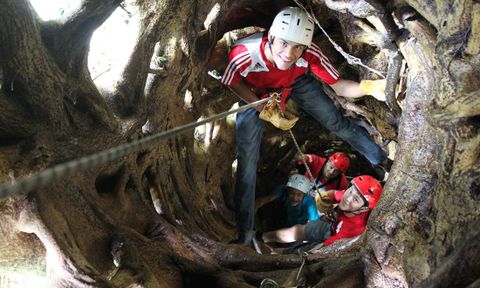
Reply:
x=49, y=175
x=350, y=59
x=302, y=257
x=276, y=97
x=304, y=162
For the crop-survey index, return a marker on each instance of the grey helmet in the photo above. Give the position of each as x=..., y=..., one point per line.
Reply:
x=299, y=182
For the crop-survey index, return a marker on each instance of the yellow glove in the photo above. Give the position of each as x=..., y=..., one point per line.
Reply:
x=376, y=88
x=272, y=114
x=324, y=204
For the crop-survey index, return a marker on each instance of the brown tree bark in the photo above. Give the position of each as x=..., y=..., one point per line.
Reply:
x=427, y=215
x=159, y=217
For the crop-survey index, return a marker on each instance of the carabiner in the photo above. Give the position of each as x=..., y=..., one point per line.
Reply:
x=277, y=96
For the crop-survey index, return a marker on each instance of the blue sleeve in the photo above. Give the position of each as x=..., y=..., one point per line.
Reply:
x=312, y=209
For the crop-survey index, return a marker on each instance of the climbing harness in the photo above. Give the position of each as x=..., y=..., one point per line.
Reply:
x=284, y=120
x=47, y=176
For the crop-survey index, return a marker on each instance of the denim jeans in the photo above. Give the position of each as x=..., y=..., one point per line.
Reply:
x=307, y=92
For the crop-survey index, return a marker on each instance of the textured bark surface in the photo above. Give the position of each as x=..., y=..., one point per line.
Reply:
x=164, y=213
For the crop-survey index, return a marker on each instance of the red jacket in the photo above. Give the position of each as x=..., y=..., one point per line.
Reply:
x=315, y=164
x=347, y=227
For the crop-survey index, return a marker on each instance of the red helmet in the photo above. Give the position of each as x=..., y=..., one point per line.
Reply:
x=370, y=188
x=340, y=160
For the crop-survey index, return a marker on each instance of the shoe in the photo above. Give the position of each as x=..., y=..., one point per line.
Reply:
x=382, y=169
x=380, y=172
x=387, y=164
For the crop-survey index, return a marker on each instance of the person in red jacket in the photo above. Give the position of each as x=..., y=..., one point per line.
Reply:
x=328, y=173
x=353, y=206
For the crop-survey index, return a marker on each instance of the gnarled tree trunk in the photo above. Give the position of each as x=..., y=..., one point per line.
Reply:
x=160, y=217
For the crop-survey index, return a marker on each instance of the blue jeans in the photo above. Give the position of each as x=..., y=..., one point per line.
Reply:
x=307, y=92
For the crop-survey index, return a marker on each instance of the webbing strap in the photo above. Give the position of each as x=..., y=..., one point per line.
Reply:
x=42, y=178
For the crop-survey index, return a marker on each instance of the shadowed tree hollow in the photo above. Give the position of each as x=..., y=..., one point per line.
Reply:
x=161, y=216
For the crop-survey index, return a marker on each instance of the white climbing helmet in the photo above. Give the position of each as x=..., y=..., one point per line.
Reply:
x=299, y=182
x=293, y=24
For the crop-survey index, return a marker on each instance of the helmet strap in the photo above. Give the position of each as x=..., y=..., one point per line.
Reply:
x=270, y=42
x=358, y=211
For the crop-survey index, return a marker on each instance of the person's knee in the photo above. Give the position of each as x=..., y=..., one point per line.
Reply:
x=299, y=232
x=337, y=125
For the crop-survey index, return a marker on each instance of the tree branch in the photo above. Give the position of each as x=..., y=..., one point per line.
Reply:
x=473, y=45
x=428, y=10
x=466, y=105
x=393, y=75
x=241, y=257
x=420, y=29
x=70, y=42
x=13, y=122
x=129, y=97
x=359, y=8
x=69, y=45
x=27, y=67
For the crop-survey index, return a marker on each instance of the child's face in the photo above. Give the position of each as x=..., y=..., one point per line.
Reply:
x=352, y=200
x=331, y=170
x=295, y=196
x=286, y=53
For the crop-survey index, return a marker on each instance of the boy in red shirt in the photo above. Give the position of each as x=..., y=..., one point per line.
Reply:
x=279, y=61
x=353, y=206
x=328, y=173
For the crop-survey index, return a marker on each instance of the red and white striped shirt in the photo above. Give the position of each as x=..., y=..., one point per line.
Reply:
x=247, y=61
